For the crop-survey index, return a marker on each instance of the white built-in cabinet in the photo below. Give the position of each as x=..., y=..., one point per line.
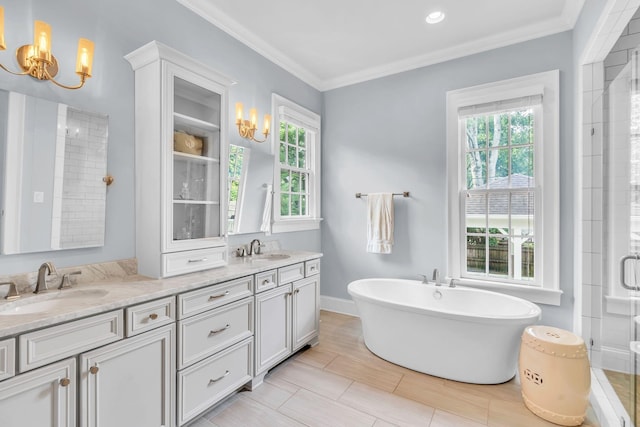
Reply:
x=45, y=397
x=130, y=382
x=181, y=116
x=287, y=314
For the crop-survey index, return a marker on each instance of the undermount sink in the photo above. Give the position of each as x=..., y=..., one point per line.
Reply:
x=53, y=301
x=270, y=257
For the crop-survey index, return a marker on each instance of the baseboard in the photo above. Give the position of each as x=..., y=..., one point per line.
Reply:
x=338, y=305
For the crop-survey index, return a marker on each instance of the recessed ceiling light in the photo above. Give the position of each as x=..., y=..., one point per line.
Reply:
x=435, y=17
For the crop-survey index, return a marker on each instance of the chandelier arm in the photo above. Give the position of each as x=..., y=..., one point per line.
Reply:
x=83, y=78
x=259, y=141
x=17, y=74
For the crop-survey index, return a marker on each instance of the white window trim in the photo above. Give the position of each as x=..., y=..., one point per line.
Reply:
x=546, y=167
x=299, y=115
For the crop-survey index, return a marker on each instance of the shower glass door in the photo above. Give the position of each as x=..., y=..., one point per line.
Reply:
x=615, y=240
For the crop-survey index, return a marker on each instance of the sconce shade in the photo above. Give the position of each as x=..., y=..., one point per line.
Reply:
x=2, y=45
x=238, y=112
x=267, y=124
x=253, y=118
x=84, y=61
x=42, y=40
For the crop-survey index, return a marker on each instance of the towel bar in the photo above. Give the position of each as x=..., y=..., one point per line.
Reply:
x=403, y=194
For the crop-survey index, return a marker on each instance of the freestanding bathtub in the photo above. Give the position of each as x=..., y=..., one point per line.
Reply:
x=460, y=333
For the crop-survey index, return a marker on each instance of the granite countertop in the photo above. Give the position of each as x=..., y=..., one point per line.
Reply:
x=99, y=297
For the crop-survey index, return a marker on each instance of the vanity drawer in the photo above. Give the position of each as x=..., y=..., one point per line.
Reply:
x=211, y=380
x=207, y=333
x=7, y=359
x=266, y=280
x=200, y=300
x=196, y=260
x=312, y=267
x=57, y=342
x=290, y=273
x=143, y=317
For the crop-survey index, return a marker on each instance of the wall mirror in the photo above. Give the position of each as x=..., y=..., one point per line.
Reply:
x=53, y=159
x=250, y=178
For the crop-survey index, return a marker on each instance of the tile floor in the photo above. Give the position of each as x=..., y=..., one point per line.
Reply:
x=341, y=383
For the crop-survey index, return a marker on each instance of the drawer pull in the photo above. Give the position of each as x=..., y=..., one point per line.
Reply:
x=313, y=267
x=219, y=378
x=198, y=260
x=266, y=281
x=296, y=291
x=217, y=331
x=94, y=370
x=212, y=297
x=65, y=382
x=153, y=316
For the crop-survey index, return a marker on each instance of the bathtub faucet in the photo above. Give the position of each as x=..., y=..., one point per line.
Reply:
x=436, y=277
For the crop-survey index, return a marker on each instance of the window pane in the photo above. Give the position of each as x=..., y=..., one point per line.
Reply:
x=476, y=133
x=284, y=205
x=283, y=152
x=498, y=130
x=476, y=212
x=476, y=169
x=291, y=156
x=295, y=182
x=499, y=256
x=499, y=213
x=301, y=137
x=498, y=168
x=292, y=134
x=522, y=163
x=476, y=254
x=285, y=182
x=283, y=131
x=303, y=204
x=522, y=213
x=295, y=204
x=302, y=158
x=527, y=264
x=522, y=127
x=303, y=182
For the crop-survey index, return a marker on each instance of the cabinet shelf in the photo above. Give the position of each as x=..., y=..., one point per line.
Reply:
x=181, y=120
x=195, y=157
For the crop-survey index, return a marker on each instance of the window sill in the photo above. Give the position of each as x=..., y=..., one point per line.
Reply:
x=530, y=293
x=295, y=225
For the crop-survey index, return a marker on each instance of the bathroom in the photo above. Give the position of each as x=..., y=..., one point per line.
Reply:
x=384, y=134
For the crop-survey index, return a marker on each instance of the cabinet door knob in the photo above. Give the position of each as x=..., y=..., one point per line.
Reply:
x=153, y=316
x=212, y=297
x=296, y=291
x=65, y=382
x=94, y=370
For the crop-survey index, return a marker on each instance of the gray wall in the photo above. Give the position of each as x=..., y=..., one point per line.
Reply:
x=118, y=27
x=389, y=135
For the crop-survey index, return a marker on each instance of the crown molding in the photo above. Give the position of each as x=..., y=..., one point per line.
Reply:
x=211, y=13
x=215, y=16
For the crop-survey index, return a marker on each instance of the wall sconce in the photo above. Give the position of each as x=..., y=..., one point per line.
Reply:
x=37, y=61
x=247, y=128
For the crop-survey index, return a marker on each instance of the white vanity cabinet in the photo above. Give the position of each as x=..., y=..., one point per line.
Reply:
x=181, y=115
x=44, y=397
x=287, y=317
x=131, y=382
x=215, y=344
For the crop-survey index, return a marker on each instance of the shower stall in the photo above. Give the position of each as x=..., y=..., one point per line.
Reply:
x=611, y=237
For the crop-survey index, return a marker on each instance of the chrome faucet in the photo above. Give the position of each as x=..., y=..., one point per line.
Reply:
x=436, y=277
x=424, y=279
x=12, y=293
x=255, y=251
x=46, y=269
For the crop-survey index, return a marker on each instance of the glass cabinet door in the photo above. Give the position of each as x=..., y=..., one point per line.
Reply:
x=196, y=164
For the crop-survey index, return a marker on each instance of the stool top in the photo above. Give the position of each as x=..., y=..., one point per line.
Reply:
x=555, y=341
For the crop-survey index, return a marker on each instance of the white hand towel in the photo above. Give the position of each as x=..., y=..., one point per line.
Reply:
x=379, y=223
x=266, y=214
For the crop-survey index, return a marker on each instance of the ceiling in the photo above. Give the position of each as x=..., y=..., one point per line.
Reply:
x=334, y=43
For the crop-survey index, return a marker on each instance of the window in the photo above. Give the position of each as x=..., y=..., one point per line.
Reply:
x=502, y=160
x=297, y=167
